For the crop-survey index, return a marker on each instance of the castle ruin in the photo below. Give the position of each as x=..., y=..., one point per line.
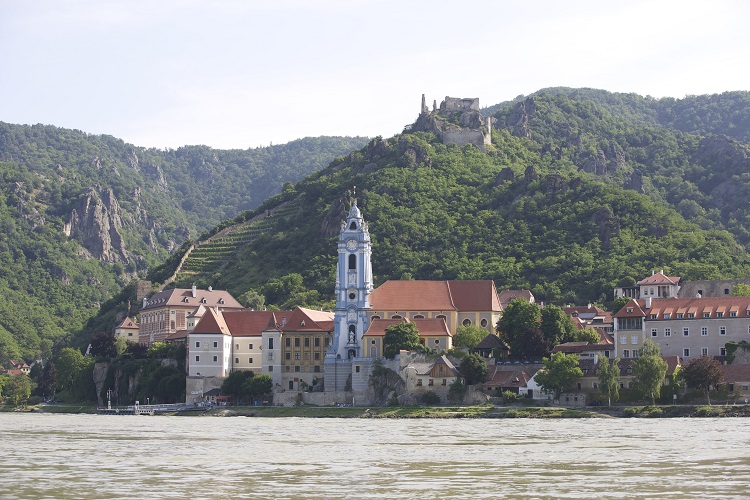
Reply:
x=456, y=121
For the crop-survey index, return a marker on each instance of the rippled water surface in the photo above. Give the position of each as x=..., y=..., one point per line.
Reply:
x=92, y=456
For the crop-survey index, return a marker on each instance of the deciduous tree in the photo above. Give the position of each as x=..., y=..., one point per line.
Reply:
x=518, y=319
x=703, y=373
x=559, y=372
x=474, y=369
x=17, y=389
x=609, y=378
x=468, y=336
x=556, y=325
x=650, y=370
x=403, y=336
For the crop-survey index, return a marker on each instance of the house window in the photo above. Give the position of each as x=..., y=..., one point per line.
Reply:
x=704, y=351
x=396, y=316
x=679, y=315
x=686, y=352
x=296, y=341
x=419, y=382
x=197, y=344
x=444, y=318
x=667, y=332
x=726, y=291
x=328, y=341
x=431, y=382
x=237, y=346
x=722, y=330
x=732, y=314
x=635, y=353
x=288, y=355
x=288, y=341
x=307, y=341
x=270, y=343
x=653, y=316
x=483, y=323
x=691, y=315
x=375, y=316
x=685, y=332
x=437, y=341
x=444, y=382
x=654, y=332
x=249, y=360
x=418, y=316
x=667, y=315
x=197, y=358
x=130, y=334
x=595, y=385
x=707, y=315
x=352, y=262
x=626, y=353
x=216, y=358
x=270, y=368
x=372, y=342
x=317, y=341
x=249, y=346
x=623, y=339
x=296, y=355
x=297, y=368
x=356, y=368
x=704, y=331
x=237, y=360
x=466, y=322
x=723, y=351
x=317, y=356
x=634, y=339
x=291, y=384
x=719, y=314
x=216, y=344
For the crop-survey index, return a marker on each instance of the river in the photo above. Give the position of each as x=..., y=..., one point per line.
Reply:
x=97, y=456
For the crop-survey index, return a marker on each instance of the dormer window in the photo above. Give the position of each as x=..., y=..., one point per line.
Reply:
x=707, y=315
x=667, y=315
x=185, y=299
x=203, y=301
x=221, y=301
x=679, y=315
x=630, y=309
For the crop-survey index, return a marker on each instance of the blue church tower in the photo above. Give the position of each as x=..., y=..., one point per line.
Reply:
x=353, y=289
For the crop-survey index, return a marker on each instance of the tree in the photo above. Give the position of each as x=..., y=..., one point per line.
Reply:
x=252, y=299
x=70, y=362
x=234, y=384
x=741, y=290
x=703, y=373
x=403, y=336
x=48, y=380
x=18, y=389
x=587, y=335
x=518, y=319
x=474, y=369
x=258, y=386
x=557, y=326
x=103, y=346
x=650, y=370
x=559, y=372
x=609, y=378
x=468, y=336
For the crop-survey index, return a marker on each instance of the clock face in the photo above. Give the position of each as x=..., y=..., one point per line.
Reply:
x=351, y=244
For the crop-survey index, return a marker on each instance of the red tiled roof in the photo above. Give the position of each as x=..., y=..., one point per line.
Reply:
x=736, y=373
x=184, y=297
x=212, y=322
x=247, y=323
x=426, y=327
x=694, y=305
x=425, y=295
x=507, y=295
x=309, y=320
x=497, y=375
x=659, y=279
x=128, y=323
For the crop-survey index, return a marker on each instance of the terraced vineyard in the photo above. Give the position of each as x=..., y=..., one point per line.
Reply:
x=212, y=254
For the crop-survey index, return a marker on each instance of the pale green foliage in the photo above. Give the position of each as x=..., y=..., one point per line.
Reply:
x=559, y=372
x=17, y=389
x=741, y=290
x=252, y=299
x=649, y=370
x=70, y=363
x=609, y=378
x=468, y=336
x=587, y=335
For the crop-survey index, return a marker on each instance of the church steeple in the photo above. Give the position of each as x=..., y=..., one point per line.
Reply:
x=353, y=285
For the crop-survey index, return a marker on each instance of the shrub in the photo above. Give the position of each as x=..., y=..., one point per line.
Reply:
x=430, y=398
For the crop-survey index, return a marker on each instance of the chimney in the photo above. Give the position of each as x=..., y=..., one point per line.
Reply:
x=283, y=321
x=145, y=301
x=210, y=289
x=195, y=291
x=648, y=302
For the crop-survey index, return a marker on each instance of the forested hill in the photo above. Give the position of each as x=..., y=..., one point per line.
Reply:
x=81, y=214
x=571, y=201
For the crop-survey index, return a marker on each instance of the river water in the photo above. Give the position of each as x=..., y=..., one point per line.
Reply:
x=97, y=456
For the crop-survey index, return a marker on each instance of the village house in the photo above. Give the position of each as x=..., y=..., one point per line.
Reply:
x=433, y=334
x=685, y=327
x=128, y=330
x=167, y=312
x=656, y=285
x=436, y=376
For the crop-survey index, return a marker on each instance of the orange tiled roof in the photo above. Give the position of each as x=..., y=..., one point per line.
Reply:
x=426, y=327
x=128, y=323
x=212, y=322
x=247, y=323
x=694, y=305
x=659, y=279
x=426, y=295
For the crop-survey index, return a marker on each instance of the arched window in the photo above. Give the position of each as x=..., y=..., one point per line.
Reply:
x=441, y=316
x=352, y=262
x=466, y=322
x=418, y=316
x=353, y=225
x=396, y=316
x=483, y=323
x=375, y=316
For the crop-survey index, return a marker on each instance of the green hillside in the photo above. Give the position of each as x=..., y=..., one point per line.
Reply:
x=66, y=195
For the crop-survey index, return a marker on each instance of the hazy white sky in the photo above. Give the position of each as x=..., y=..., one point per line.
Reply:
x=245, y=73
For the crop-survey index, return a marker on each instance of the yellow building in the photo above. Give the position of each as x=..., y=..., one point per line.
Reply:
x=433, y=334
x=457, y=302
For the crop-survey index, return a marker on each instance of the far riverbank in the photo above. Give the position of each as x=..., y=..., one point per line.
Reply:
x=479, y=411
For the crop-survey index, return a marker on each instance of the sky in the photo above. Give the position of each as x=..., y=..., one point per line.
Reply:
x=245, y=73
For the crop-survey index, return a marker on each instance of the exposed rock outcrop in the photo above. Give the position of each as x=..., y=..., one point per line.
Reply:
x=607, y=225
x=96, y=224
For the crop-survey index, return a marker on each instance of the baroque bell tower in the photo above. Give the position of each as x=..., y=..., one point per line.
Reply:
x=353, y=286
